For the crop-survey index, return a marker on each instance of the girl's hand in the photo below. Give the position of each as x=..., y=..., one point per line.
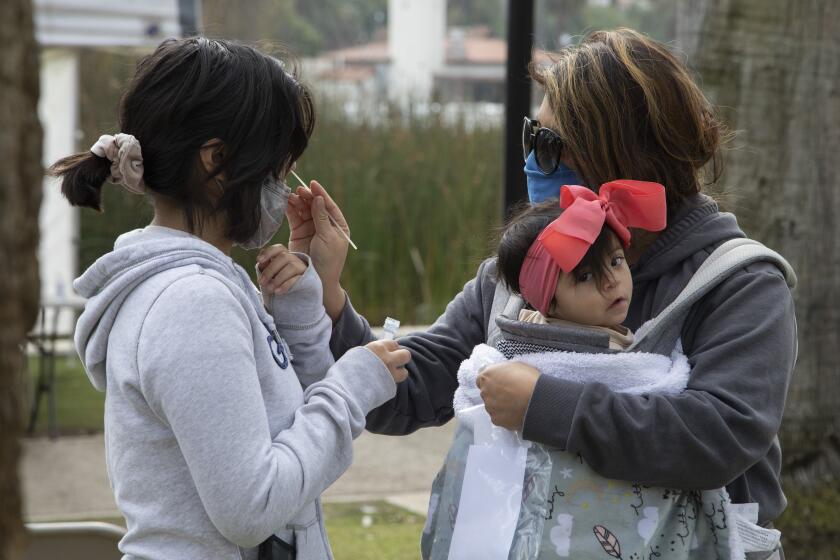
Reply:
x=506, y=390
x=394, y=357
x=309, y=213
x=277, y=271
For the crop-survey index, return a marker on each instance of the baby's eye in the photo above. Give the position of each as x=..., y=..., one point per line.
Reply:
x=617, y=260
x=584, y=277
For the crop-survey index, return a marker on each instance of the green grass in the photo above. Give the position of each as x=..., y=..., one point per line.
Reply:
x=389, y=532
x=79, y=407
x=392, y=533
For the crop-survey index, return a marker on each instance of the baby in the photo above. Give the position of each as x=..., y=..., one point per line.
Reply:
x=569, y=265
x=595, y=293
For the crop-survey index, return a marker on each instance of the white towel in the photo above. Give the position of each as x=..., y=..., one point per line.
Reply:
x=624, y=372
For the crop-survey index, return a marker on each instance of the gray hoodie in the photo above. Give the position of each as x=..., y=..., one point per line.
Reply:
x=740, y=339
x=223, y=424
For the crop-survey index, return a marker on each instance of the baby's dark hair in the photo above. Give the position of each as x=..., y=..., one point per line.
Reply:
x=193, y=90
x=522, y=230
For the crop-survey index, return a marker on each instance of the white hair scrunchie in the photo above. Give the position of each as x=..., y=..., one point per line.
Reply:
x=123, y=151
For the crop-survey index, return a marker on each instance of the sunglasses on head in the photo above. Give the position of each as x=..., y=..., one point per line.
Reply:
x=545, y=143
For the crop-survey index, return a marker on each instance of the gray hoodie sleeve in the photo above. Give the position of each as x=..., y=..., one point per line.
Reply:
x=206, y=389
x=303, y=323
x=741, y=346
x=425, y=398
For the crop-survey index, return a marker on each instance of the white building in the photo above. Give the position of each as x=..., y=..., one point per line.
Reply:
x=416, y=48
x=420, y=62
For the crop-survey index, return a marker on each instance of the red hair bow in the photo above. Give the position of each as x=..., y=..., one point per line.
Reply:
x=622, y=204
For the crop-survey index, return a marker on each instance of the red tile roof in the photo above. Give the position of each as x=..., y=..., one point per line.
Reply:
x=348, y=74
x=476, y=50
x=370, y=53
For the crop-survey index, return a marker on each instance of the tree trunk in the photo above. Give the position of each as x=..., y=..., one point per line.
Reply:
x=20, y=198
x=773, y=66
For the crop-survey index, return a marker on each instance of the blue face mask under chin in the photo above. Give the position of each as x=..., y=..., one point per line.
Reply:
x=542, y=187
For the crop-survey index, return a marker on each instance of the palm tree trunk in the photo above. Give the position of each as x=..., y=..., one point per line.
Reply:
x=20, y=198
x=773, y=66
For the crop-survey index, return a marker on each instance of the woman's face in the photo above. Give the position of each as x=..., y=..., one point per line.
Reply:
x=579, y=299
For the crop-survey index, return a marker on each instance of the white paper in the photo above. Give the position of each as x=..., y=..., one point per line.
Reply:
x=491, y=498
x=755, y=538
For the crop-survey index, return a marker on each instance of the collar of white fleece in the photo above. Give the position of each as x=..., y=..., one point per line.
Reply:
x=624, y=372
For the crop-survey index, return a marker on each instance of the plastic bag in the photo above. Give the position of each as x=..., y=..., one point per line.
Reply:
x=498, y=483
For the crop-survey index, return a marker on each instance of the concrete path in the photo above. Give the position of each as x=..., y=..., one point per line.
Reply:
x=66, y=479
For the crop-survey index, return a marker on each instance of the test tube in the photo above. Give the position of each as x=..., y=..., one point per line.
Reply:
x=390, y=327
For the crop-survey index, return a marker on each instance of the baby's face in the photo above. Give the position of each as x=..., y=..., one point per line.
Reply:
x=579, y=299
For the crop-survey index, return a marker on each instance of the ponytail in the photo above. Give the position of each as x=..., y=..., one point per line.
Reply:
x=82, y=176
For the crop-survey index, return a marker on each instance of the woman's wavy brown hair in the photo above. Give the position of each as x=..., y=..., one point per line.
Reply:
x=627, y=108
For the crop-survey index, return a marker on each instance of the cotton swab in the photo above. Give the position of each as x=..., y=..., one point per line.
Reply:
x=332, y=221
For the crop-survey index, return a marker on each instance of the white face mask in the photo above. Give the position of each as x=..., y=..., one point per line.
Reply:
x=273, y=200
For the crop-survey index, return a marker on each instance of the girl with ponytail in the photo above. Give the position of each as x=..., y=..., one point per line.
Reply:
x=226, y=416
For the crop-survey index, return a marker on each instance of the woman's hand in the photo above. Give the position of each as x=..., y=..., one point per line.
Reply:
x=506, y=390
x=394, y=357
x=309, y=213
x=277, y=271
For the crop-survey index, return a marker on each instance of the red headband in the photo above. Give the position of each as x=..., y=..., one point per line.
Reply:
x=622, y=204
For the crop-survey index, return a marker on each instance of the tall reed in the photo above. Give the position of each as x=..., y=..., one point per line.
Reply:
x=421, y=198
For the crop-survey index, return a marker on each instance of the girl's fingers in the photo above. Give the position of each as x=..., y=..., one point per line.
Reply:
x=279, y=269
x=304, y=229
x=272, y=251
x=284, y=281
x=269, y=253
x=297, y=212
x=271, y=270
x=286, y=284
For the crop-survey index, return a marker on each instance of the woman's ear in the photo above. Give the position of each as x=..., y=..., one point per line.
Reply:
x=212, y=154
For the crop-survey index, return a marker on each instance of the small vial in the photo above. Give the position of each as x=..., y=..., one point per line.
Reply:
x=390, y=327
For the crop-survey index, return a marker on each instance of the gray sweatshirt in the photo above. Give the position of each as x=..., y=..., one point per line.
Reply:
x=722, y=431
x=223, y=424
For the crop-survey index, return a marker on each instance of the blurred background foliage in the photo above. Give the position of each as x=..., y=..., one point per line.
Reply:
x=420, y=196
x=310, y=27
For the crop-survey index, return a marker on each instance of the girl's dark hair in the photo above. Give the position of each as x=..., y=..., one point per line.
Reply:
x=522, y=230
x=186, y=93
x=626, y=108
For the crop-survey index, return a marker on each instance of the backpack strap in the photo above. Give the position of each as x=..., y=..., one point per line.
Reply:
x=660, y=334
x=505, y=304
